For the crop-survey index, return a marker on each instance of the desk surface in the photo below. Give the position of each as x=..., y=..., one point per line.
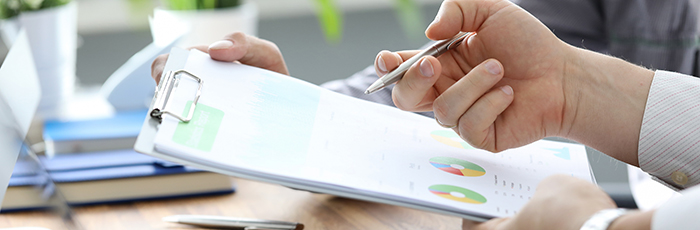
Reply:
x=252, y=200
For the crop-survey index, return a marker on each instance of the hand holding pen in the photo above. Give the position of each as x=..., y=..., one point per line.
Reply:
x=502, y=88
x=435, y=50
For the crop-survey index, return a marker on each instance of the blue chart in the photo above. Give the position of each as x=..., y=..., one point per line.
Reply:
x=562, y=153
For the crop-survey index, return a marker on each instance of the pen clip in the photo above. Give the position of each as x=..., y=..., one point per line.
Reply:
x=458, y=40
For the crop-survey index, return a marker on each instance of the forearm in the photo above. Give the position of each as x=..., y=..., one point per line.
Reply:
x=605, y=102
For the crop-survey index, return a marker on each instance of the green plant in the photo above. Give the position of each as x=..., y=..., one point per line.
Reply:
x=12, y=8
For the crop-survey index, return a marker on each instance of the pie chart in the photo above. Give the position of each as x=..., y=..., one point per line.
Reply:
x=450, y=138
x=457, y=166
x=457, y=194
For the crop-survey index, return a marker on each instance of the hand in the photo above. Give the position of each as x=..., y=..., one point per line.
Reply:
x=494, y=105
x=237, y=47
x=514, y=83
x=560, y=202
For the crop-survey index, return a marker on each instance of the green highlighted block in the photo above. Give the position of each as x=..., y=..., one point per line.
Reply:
x=201, y=131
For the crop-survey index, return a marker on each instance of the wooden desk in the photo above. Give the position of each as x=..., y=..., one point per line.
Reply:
x=252, y=200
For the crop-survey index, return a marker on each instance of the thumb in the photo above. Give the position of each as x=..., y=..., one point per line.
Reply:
x=249, y=50
x=467, y=15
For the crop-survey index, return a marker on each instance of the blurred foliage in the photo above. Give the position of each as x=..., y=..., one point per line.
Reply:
x=198, y=4
x=331, y=20
x=12, y=8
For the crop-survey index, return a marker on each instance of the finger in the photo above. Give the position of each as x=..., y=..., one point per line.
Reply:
x=469, y=224
x=455, y=101
x=387, y=61
x=157, y=67
x=455, y=16
x=202, y=48
x=496, y=223
x=415, y=91
x=159, y=63
x=249, y=50
x=477, y=124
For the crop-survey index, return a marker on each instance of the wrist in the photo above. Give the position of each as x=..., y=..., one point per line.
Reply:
x=619, y=219
x=605, y=100
x=634, y=220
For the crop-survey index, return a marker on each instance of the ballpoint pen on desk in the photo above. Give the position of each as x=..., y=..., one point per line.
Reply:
x=230, y=222
x=435, y=50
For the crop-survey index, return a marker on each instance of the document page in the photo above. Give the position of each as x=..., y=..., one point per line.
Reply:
x=264, y=122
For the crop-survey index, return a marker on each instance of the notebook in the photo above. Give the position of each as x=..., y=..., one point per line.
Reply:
x=110, y=177
x=257, y=124
x=118, y=131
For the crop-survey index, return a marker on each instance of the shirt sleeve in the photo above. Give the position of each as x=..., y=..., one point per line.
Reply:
x=679, y=213
x=669, y=139
x=356, y=85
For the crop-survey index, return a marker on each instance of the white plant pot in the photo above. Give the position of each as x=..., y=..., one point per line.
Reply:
x=52, y=37
x=203, y=27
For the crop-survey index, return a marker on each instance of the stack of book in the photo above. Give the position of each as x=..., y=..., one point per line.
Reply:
x=77, y=136
x=93, y=162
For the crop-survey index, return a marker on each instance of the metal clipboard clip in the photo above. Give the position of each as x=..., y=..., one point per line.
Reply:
x=165, y=88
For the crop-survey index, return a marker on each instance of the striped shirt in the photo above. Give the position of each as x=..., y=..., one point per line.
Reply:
x=669, y=139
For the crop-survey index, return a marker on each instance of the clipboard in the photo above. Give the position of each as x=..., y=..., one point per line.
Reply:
x=145, y=143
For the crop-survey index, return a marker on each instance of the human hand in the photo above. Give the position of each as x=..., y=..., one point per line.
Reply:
x=236, y=47
x=503, y=88
x=560, y=202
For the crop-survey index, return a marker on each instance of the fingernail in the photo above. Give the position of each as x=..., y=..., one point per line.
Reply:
x=507, y=89
x=443, y=125
x=493, y=67
x=426, y=68
x=381, y=64
x=220, y=45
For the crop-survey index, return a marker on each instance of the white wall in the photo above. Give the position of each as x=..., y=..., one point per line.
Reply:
x=96, y=16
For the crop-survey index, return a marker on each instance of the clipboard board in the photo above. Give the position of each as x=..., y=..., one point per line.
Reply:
x=145, y=143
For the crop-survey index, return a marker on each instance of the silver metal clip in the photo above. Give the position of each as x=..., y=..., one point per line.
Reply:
x=165, y=88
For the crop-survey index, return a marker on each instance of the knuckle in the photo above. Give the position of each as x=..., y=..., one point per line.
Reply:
x=471, y=135
x=441, y=109
x=490, y=102
x=397, y=101
x=237, y=37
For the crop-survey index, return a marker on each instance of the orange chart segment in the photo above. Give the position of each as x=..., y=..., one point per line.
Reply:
x=450, y=138
x=457, y=166
x=457, y=194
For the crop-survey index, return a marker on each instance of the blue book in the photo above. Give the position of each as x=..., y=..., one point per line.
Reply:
x=116, y=132
x=111, y=176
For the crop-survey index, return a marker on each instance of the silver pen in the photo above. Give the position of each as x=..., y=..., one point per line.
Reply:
x=435, y=50
x=230, y=222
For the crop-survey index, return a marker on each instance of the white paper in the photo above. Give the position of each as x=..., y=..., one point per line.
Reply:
x=283, y=126
x=19, y=84
x=19, y=92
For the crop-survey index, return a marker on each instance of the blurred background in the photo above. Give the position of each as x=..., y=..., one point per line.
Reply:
x=110, y=32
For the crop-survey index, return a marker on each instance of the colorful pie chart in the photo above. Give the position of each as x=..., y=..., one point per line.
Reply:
x=450, y=138
x=457, y=194
x=457, y=166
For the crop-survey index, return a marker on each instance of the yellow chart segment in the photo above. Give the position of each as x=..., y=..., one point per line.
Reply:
x=460, y=199
x=447, y=141
x=472, y=173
